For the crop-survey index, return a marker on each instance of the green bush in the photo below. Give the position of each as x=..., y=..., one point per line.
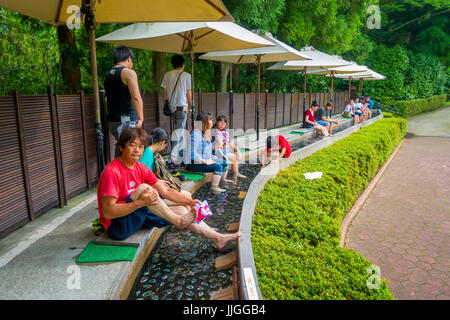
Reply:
x=296, y=226
x=410, y=108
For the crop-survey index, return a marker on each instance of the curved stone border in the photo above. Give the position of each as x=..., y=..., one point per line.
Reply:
x=247, y=277
x=346, y=222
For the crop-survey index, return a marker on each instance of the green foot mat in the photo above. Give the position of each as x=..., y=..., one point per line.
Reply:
x=300, y=133
x=106, y=253
x=347, y=117
x=192, y=176
x=245, y=150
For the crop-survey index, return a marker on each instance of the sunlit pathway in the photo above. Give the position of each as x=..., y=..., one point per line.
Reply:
x=404, y=226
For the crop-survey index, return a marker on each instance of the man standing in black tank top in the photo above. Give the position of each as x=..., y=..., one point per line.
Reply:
x=125, y=106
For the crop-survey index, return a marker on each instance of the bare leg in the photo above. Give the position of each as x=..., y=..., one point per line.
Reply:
x=162, y=210
x=215, y=183
x=235, y=167
x=171, y=203
x=219, y=239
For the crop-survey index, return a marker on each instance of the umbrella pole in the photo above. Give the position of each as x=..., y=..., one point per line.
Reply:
x=362, y=85
x=332, y=80
x=90, y=24
x=231, y=77
x=304, y=92
x=258, y=102
x=349, y=87
x=192, y=90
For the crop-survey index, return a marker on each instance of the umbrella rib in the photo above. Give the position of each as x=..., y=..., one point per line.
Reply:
x=216, y=7
x=205, y=34
x=58, y=13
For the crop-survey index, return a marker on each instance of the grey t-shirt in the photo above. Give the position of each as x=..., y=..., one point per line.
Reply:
x=319, y=114
x=179, y=98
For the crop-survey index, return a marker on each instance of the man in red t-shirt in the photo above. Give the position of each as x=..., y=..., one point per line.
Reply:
x=280, y=145
x=128, y=195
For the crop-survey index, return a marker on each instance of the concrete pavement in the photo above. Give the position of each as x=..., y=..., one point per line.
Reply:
x=404, y=226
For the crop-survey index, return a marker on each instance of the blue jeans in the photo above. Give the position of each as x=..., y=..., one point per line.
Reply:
x=142, y=218
x=179, y=122
x=323, y=123
x=218, y=168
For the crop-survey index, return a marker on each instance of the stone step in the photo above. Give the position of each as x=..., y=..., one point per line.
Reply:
x=224, y=294
x=226, y=261
x=233, y=227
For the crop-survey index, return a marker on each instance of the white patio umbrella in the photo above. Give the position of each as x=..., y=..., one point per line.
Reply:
x=186, y=37
x=118, y=11
x=60, y=12
x=368, y=75
x=348, y=69
x=279, y=52
x=319, y=60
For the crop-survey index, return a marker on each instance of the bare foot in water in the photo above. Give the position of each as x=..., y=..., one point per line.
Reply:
x=188, y=218
x=224, y=238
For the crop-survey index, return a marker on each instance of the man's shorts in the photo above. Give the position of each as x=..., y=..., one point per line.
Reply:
x=359, y=114
x=142, y=218
x=322, y=123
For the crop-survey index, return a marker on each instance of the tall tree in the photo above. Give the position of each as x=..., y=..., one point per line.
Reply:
x=69, y=60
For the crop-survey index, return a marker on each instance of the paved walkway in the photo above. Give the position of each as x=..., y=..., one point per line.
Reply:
x=404, y=226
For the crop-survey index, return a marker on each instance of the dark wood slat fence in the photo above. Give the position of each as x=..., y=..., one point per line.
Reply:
x=48, y=147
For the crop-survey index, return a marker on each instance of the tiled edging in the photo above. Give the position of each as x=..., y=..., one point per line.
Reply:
x=247, y=277
x=121, y=288
x=346, y=222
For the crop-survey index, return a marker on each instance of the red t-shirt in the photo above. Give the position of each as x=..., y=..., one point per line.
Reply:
x=118, y=181
x=310, y=115
x=283, y=144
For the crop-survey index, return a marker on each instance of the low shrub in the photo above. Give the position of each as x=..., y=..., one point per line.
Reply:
x=410, y=108
x=296, y=226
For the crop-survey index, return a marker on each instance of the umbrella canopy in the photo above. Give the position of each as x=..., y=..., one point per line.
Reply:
x=278, y=52
x=95, y=11
x=348, y=69
x=367, y=75
x=119, y=11
x=186, y=37
x=319, y=60
x=183, y=37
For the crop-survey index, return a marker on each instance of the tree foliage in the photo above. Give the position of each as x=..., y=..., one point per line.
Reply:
x=411, y=48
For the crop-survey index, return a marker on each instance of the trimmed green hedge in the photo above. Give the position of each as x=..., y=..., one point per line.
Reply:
x=296, y=226
x=410, y=108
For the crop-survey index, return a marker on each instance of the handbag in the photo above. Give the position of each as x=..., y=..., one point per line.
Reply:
x=163, y=174
x=166, y=110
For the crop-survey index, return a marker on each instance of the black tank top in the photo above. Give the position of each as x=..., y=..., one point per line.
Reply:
x=118, y=95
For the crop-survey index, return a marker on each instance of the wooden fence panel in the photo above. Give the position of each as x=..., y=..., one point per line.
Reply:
x=91, y=138
x=250, y=111
x=209, y=104
x=271, y=110
x=40, y=152
x=72, y=145
x=223, y=105
x=13, y=207
x=279, y=110
x=238, y=115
